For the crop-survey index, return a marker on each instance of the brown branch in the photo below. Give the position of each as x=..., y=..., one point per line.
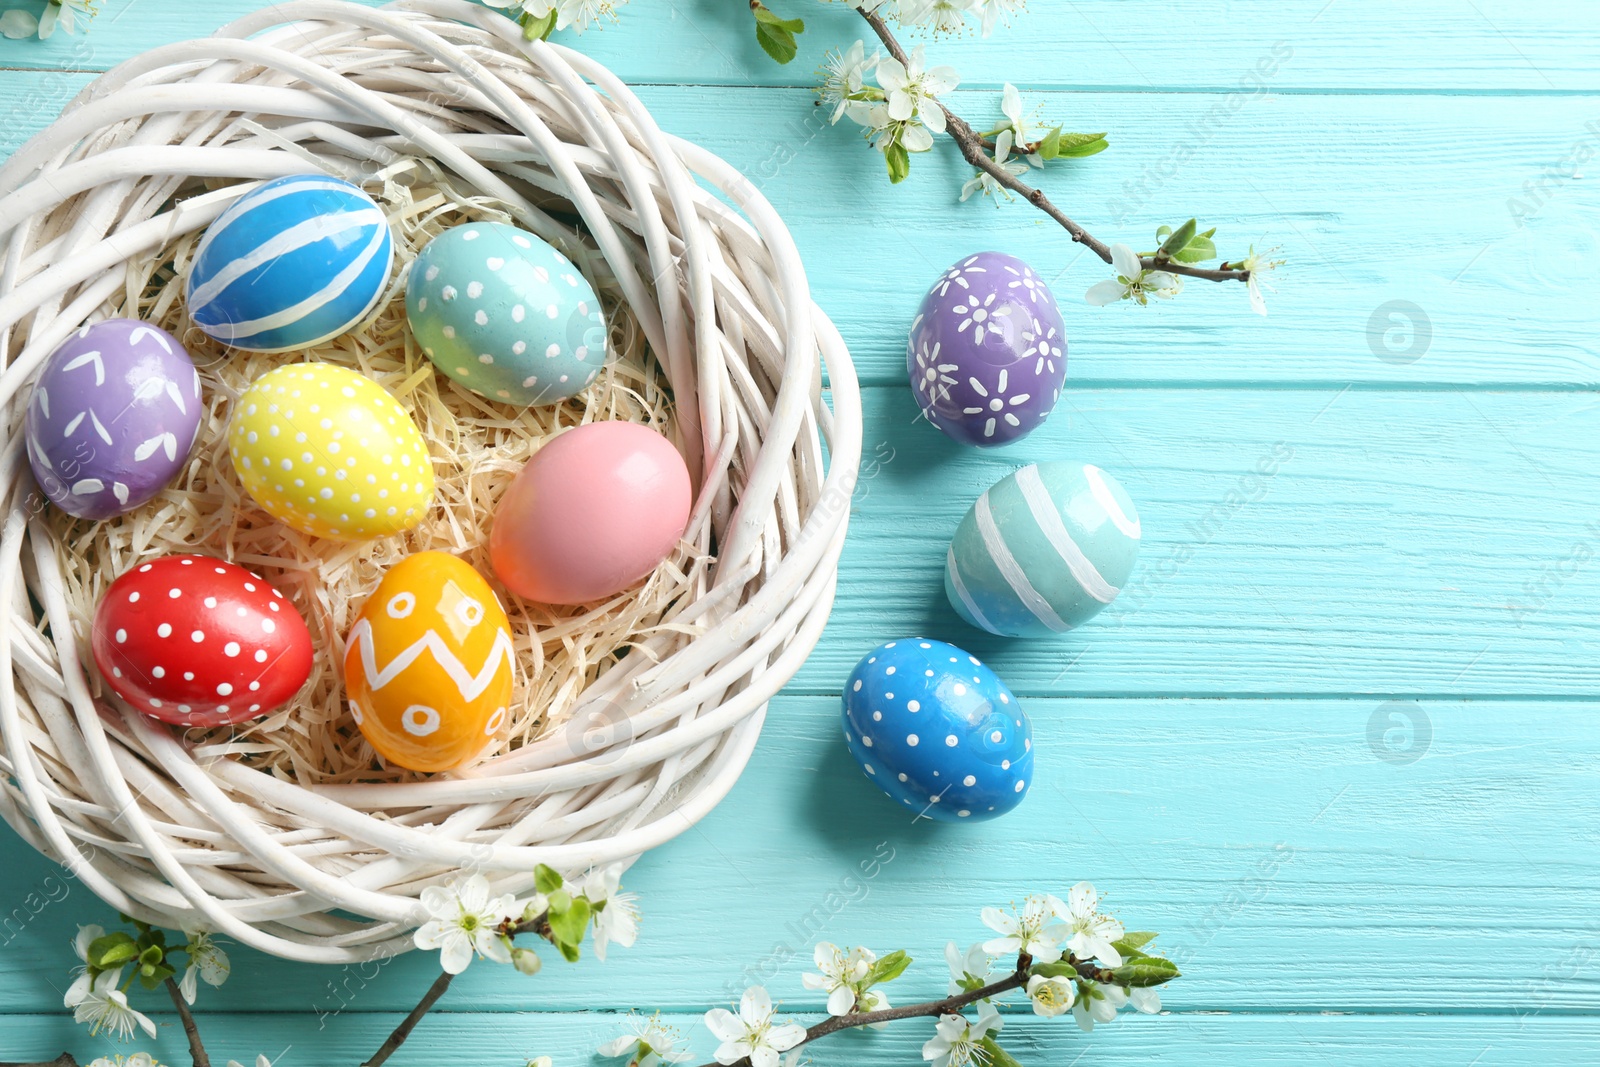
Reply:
x=409, y=1023
x=197, y=1051
x=971, y=145
x=935, y=1008
x=63, y=1060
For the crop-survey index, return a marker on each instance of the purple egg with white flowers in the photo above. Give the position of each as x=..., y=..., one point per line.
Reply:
x=938, y=731
x=988, y=351
x=112, y=418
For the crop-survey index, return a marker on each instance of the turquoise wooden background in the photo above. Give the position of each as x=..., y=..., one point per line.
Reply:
x=1337, y=741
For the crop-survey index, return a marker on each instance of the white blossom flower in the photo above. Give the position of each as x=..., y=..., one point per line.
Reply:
x=576, y=14
x=944, y=16
x=81, y=981
x=105, y=1007
x=1097, y=1004
x=842, y=975
x=1089, y=934
x=462, y=921
x=541, y=1061
x=752, y=1032
x=956, y=1040
x=1145, y=1000
x=648, y=1043
x=844, y=74
x=618, y=921
x=206, y=960
x=525, y=960
x=996, y=11
x=579, y=15
x=1133, y=282
x=1023, y=132
x=969, y=967
x=988, y=183
x=261, y=1061
x=1260, y=265
x=913, y=92
x=1029, y=930
x=1051, y=996
x=138, y=1059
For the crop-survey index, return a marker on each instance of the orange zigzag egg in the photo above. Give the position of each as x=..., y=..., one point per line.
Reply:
x=428, y=665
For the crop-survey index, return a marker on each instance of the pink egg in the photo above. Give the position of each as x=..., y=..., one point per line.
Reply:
x=594, y=511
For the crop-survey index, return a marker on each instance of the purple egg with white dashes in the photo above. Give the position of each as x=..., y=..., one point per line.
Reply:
x=112, y=417
x=988, y=352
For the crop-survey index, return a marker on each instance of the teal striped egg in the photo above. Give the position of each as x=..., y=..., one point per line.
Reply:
x=505, y=315
x=293, y=263
x=1043, y=550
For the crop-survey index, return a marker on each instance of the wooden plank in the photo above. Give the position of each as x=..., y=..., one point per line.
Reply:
x=1291, y=857
x=1236, y=1040
x=1380, y=237
x=1295, y=541
x=1142, y=45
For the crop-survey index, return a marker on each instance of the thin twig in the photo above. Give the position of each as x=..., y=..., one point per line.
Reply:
x=934, y=1008
x=409, y=1023
x=197, y=1051
x=971, y=145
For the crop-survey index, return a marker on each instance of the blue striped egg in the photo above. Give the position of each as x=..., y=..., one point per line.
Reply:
x=938, y=731
x=293, y=263
x=1043, y=550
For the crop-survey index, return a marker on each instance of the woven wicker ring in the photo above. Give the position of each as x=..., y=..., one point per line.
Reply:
x=166, y=829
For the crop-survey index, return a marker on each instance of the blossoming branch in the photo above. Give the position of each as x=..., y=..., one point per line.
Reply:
x=1063, y=956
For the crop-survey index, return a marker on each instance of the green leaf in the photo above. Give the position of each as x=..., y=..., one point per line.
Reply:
x=1059, y=969
x=1050, y=147
x=153, y=954
x=112, y=950
x=1176, y=241
x=998, y=1057
x=547, y=879
x=1145, y=971
x=889, y=968
x=1079, y=145
x=776, y=34
x=538, y=28
x=899, y=162
x=152, y=975
x=1198, y=250
x=568, y=924
x=1134, y=940
x=568, y=952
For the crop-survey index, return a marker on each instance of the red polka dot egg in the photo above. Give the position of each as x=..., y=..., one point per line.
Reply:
x=198, y=641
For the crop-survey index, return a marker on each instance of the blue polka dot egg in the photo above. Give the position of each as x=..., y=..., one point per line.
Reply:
x=504, y=314
x=938, y=731
x=293, y=263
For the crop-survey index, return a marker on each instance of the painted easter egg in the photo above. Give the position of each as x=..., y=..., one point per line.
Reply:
x=112, y=418
x=988, y=352
x=938, y=731
x=503, y=313
x=199, y=641
x=327, y=451
x=428, y=665
x=291, y=264
x=1043, y=550
x=595, y=510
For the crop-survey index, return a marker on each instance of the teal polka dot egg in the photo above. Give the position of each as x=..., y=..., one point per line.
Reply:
x=1044, y=549
x=501, y=312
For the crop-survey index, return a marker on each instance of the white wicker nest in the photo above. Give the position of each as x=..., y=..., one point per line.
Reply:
x=333, y=874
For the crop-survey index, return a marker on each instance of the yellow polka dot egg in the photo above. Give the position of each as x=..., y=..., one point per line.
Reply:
x=330, y=453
